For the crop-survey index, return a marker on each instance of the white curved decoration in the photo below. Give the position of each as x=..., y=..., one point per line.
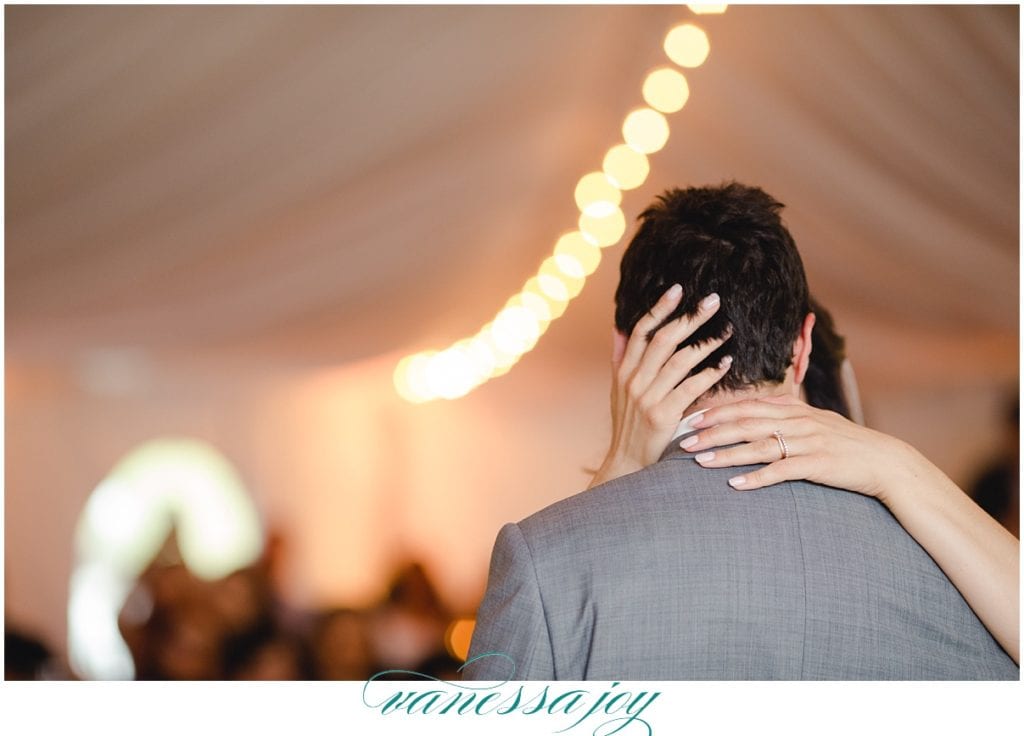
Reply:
x=163, y=485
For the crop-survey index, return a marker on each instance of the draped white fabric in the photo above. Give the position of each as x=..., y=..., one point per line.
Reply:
x=230, y=222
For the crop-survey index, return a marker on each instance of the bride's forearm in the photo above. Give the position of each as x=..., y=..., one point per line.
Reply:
x=978, y=555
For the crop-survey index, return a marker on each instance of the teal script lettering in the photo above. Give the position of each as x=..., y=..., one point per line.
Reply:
x=451, y=699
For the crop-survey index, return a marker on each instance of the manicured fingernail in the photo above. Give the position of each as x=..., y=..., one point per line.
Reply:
x=709, y=301
x=704, y=457
x=689, y=441
x=725, y=362
x=738, y=481
x=674, y=291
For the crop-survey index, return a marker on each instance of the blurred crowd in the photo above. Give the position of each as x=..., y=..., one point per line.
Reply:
x=180, y=627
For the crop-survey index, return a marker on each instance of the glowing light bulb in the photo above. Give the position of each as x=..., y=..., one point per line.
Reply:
x=569, y=265
x=503, y=360
x=687, y=45
x=596, y=194
x=666, y=90
x=401, y=380
x=603, y=231
x=449, y=374
x=481, y=358
x=573, y=245
x=645, y=130
x=515, y=330
x=626, y=167
x=535, y=303
x=416, y=376
x=707, y=8
x=553, y=287
x=550, y=270
x=556, y=296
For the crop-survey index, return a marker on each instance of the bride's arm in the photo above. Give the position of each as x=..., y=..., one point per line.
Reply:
x=979, y=556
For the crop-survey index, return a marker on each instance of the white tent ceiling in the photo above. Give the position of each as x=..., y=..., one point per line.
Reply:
x=330, y=183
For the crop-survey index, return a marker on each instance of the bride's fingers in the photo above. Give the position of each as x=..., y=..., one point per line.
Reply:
x=675, y=370
x=767, y=450
x=780, y=407
x=747, y=429
x=663, y=346
x=668, y=410
x=795, y=468
x=638, y=338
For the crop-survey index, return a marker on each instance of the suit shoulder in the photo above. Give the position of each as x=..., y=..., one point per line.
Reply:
x=606, y=504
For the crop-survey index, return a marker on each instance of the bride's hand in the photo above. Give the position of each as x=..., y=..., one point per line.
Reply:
x=821, y=446
x=649, y=395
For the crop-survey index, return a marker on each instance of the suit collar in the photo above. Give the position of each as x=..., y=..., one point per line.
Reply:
x=685, y=428
x=673, y=450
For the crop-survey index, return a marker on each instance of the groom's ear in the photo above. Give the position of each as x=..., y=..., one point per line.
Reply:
x=802, y=349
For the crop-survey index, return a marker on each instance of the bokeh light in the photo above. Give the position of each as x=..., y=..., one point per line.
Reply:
x=556, y=296
x=402, y=382
x=515, y=330
x=586, y=254
x=480, y=356
x=596, y=194
x=550, y=270
x=603, y=231
x=687, y=45
x=416, y=376
x=707, y=9
x=645, y=130
x=537, y=304
x=458, y=637
x=666, y=90
x=626, y=167
x=503, y=357
x=449, y=374
x=553, y=286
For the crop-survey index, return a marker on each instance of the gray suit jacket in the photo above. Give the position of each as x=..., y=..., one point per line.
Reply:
x=669, y=574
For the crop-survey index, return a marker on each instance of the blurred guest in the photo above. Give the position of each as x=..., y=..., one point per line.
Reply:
x=408, y=628
x=242, y=601
x=341, y=646
x=997, y=487
x=25, y=656
x=188, y=645
x=277, y=655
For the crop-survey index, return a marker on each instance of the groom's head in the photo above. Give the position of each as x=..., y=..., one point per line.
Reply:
x=730, y=240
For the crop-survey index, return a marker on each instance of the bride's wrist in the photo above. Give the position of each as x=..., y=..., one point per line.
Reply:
x=614, y=466
x=904, y=473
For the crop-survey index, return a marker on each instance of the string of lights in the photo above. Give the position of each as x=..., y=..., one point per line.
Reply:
x=458, y=369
